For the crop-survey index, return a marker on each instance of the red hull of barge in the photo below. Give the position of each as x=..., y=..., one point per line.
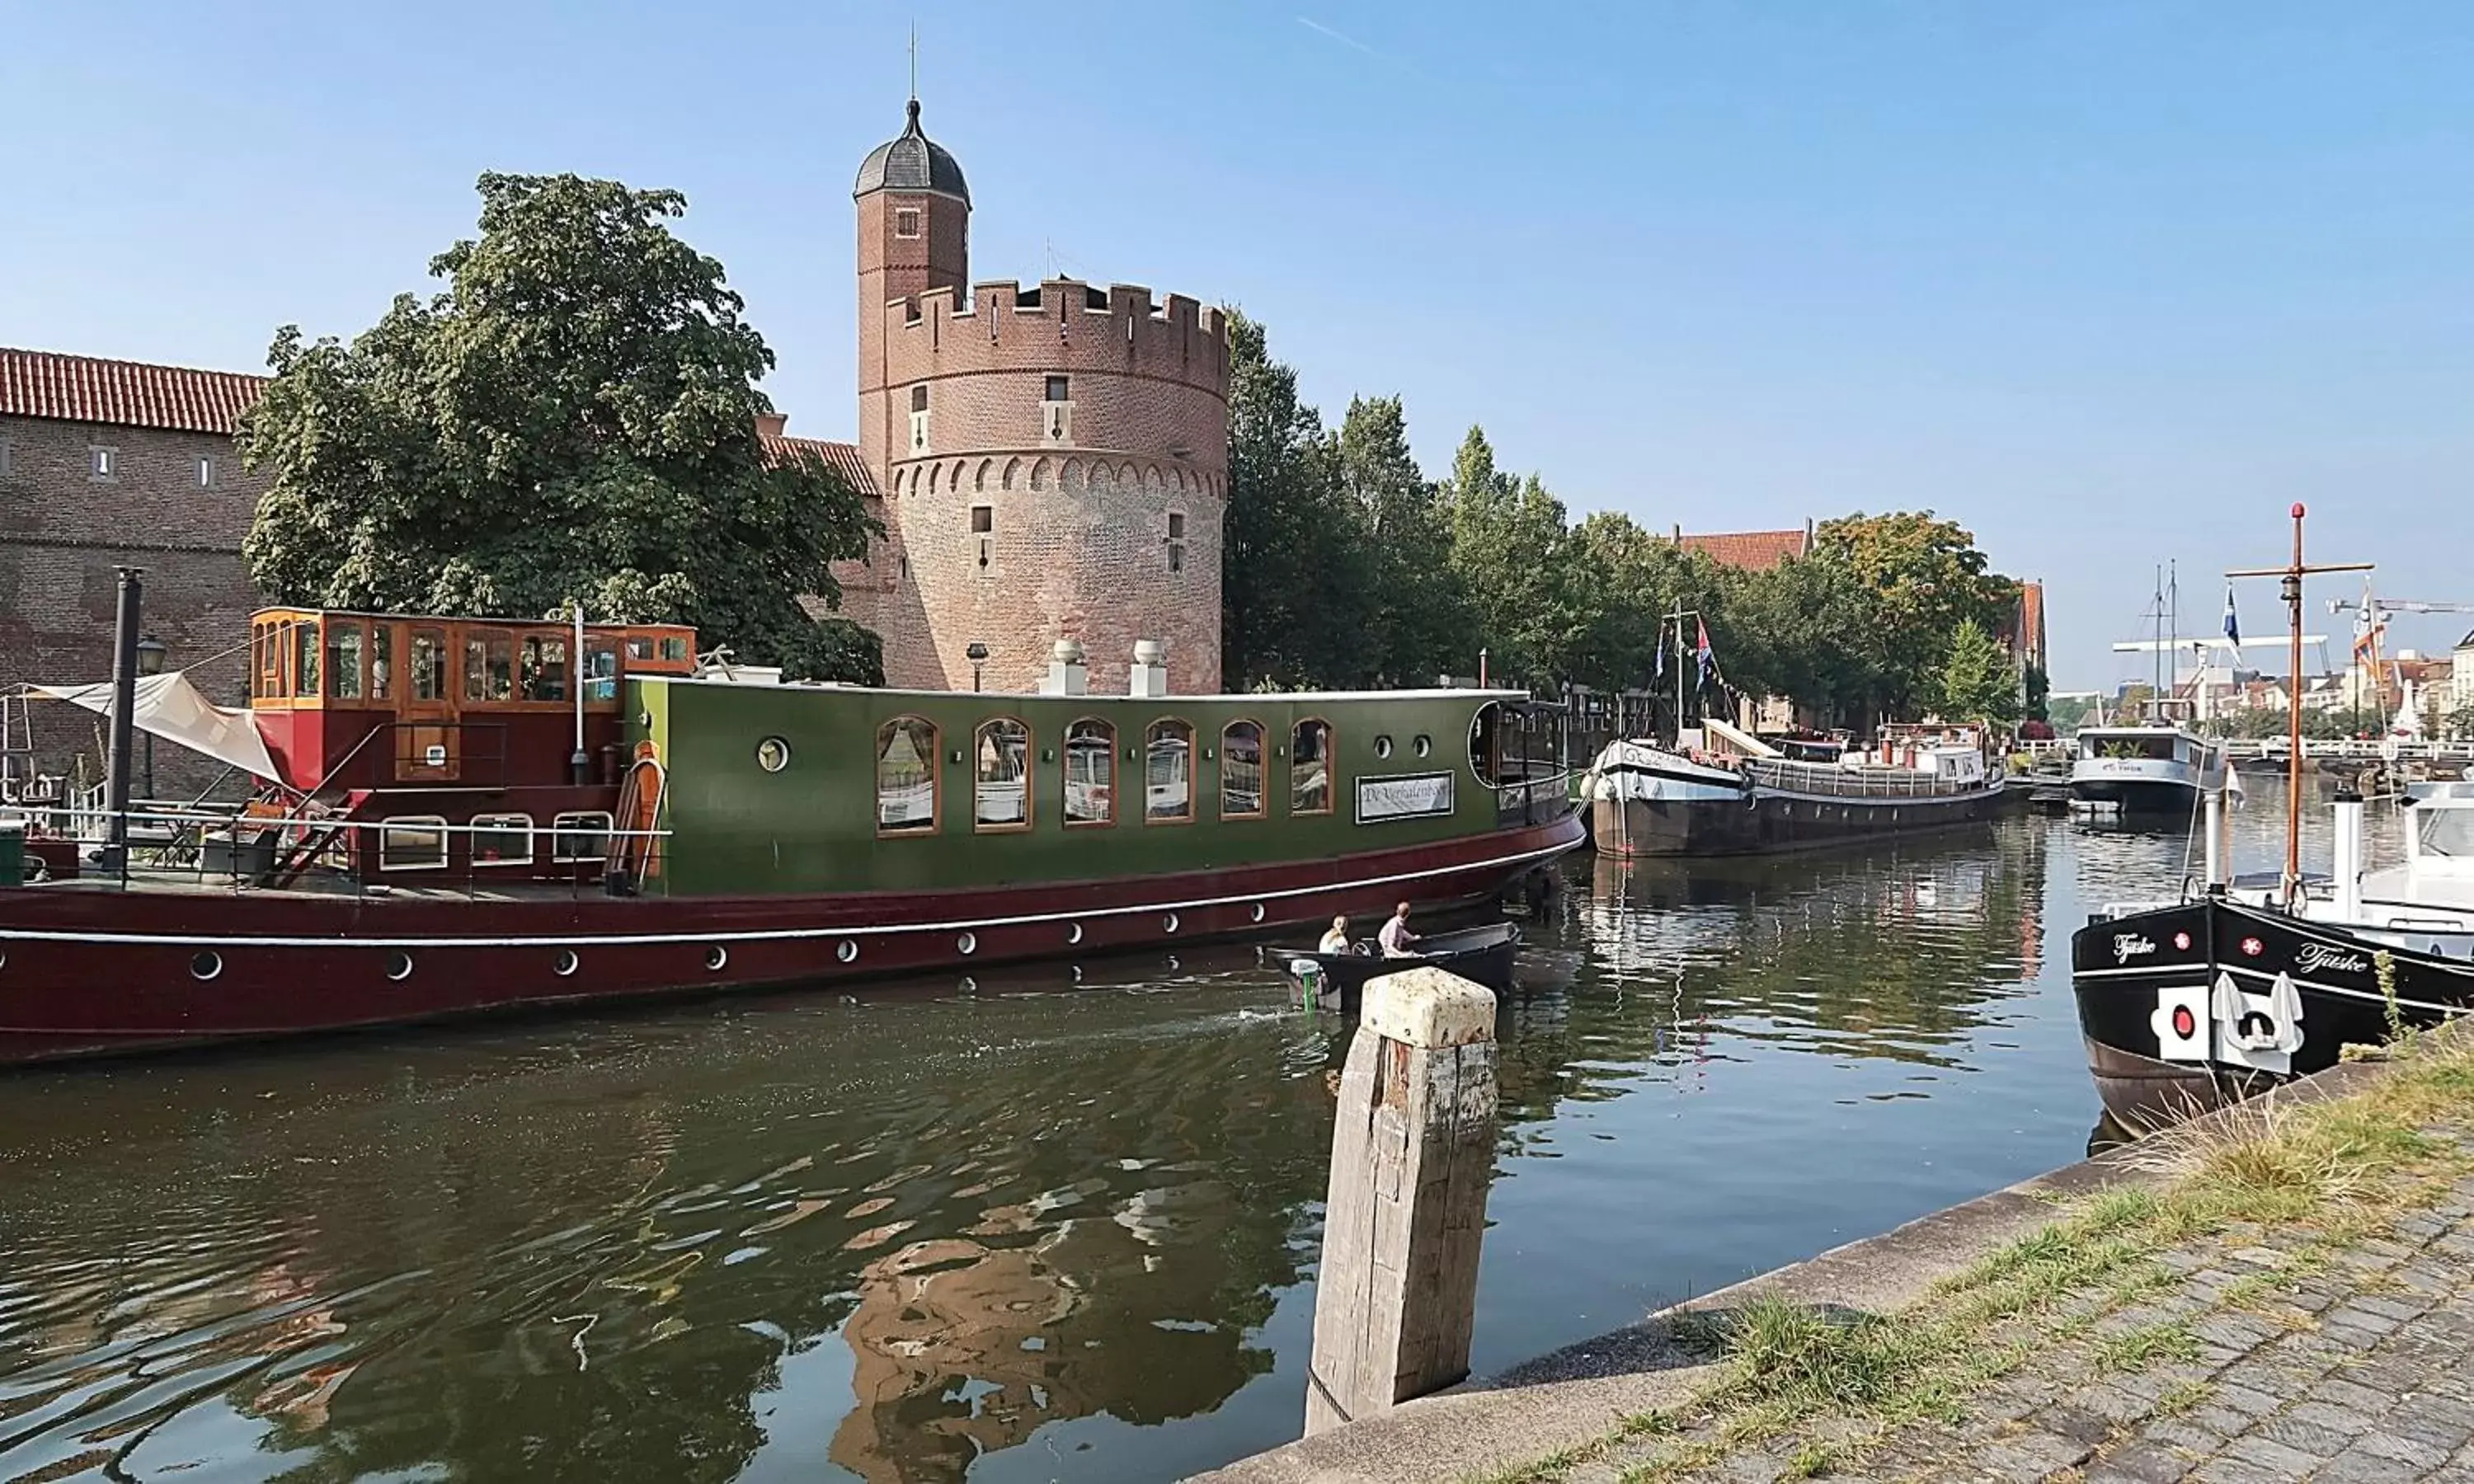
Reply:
x=85, y=973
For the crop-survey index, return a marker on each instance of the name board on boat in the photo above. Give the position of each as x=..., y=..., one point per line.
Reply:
x=1406, y=796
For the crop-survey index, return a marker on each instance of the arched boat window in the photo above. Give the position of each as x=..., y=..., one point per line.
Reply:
x=1090, y=773
x=1241, y=771
x=1001, y=786
x=412, y=842
x=905, y=777
x=581, y=836
x=1310, y=761
x=502, y=839
x=1168, y=772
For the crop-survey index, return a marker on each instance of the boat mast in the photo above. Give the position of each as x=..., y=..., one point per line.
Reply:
x=2156, y=664
x=2173, y=634
x=2290, y=583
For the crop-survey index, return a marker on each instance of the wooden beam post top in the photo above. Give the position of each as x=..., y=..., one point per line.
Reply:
x=1427, y=1009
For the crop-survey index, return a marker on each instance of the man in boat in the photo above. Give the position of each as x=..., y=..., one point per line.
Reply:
x=1396, y=935
x=1337, y=940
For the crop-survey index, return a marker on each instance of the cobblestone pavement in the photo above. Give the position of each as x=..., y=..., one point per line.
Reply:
x=2265, y=1357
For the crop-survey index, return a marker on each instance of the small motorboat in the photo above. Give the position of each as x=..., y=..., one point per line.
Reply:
x=1481, y=954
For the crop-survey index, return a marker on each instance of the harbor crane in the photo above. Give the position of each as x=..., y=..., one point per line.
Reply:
x=2372, y=614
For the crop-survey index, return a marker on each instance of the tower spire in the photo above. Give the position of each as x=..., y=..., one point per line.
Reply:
x=914, y=66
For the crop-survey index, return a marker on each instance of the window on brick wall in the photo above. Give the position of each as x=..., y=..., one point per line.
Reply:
x=1177, y=540
x=1056, y=412
x=919, y=398
x=206, y=474
x=1060, y=389
x=103, y=462
x=906, y=222
x=983, y=525
x=919, y=419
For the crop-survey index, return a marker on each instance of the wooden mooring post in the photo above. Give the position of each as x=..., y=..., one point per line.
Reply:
x=1412, y=1156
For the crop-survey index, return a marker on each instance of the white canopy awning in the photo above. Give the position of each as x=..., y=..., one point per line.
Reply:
x=171, y=708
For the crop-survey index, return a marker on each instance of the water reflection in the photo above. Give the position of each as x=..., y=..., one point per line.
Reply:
x=1048, y=1224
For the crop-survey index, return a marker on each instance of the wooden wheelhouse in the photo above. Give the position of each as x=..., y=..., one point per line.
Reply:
x=364, y=701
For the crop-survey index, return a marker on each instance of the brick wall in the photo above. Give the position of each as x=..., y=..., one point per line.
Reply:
x=1080, y=537
x=61, y=532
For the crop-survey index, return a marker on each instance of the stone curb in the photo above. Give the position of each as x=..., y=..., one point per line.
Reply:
x=1581, y=1392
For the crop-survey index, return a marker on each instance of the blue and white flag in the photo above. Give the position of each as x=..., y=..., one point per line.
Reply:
x=2233, y=626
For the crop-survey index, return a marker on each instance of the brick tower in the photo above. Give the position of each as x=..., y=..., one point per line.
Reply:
x=1054, y=460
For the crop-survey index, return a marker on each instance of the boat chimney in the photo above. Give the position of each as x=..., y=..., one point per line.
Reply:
x=1067, y=674
x=1149, y=676
x=2347, y=867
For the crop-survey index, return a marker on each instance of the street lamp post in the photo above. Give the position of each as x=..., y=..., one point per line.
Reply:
x=151, y=653
x=976, y=654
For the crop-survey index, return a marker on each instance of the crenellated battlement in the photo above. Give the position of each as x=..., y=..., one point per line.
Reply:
x=1060, y=324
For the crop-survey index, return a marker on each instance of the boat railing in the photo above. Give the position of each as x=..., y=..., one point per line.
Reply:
x=1539, y=800
x=1838, y=782
x=211, y=845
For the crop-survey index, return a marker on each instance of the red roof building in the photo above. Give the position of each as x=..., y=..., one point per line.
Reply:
x=123, y=393
x=1749, y=551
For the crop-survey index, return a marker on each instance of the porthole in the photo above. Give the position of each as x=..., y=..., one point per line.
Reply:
x=847, y=952
x=1383, y=746
x=1073, y=932
x=1168, y=923
x=716, y=958
x=1423, y=745
x=398, y=966
x=564, y=964
x=773, y=754
x=968, y=942
x=205, y=965
x=1258, y=912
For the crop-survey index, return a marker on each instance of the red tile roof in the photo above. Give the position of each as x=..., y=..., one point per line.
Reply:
x=125, y=393
x=841, y=457
x=1752, y=551
x=2031, y=620
x=133, y=393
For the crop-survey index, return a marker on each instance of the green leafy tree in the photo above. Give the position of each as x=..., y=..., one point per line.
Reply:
x=1978, y=683
x=572, y=418
x=1811, y=629
x=2040, y=690
x=1930, y=579
x=1420, y=625
x=1509, y=542
x=2460, y=723
x=1296, y=589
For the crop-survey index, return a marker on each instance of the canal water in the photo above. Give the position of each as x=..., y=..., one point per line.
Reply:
x=1044, y=1225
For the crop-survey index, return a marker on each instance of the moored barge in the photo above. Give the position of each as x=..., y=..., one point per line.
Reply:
x=457, y=816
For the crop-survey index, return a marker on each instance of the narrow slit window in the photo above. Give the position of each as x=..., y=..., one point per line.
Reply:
x=103, y=462
x=206, y=473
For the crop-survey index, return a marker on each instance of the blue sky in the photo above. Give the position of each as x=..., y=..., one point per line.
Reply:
x=2112, y=284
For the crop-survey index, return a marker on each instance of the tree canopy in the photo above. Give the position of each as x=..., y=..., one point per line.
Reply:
x=572, y=418
x=1977, y=683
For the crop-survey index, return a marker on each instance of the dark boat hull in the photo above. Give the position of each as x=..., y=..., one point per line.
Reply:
x=85, y=971
x=1767, y=821
x=1485, y=959
x=2192, y=1006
